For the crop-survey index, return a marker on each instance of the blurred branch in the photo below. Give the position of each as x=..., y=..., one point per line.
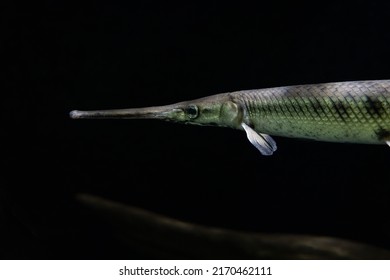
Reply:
x=160, y=237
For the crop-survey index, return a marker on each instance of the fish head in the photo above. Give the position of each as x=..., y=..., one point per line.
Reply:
x=215, y=110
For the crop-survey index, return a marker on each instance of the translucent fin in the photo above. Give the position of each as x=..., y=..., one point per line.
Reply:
x=388, y=142
x=263, y=142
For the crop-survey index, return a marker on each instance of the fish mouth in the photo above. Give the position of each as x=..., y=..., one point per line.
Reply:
x=157, y=112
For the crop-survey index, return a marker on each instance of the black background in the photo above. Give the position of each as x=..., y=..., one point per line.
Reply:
x=62, y=56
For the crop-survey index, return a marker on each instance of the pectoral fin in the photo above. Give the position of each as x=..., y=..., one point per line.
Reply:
x=263, y=142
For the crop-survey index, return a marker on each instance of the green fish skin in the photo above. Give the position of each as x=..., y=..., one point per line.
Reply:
x=350, y=112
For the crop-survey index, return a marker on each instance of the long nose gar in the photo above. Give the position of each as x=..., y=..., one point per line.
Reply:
x=350, y=112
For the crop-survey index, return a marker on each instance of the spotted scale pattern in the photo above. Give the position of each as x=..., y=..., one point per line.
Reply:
x=343, y=112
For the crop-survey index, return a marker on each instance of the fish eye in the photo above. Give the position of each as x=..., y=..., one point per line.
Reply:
x=191, y=111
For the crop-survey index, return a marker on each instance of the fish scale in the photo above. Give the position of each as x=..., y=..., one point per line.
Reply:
x=343, y=112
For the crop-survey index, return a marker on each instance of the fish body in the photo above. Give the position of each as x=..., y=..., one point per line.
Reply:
x=353, y=112
x=357, y=112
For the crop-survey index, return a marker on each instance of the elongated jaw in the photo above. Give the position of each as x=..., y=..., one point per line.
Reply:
x=156, y=112
x=76, y=114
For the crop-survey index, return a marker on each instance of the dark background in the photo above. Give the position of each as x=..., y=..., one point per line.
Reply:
x=62, y=56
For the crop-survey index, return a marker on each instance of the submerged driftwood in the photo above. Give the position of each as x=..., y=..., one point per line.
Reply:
x=160, y=237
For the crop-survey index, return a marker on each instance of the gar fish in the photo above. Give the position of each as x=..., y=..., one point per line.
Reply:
x=351, y=112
